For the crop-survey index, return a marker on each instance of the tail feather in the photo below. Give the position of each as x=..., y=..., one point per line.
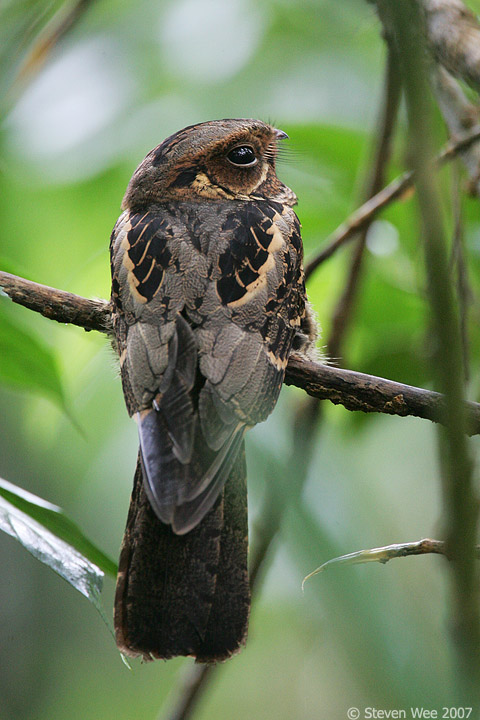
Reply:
x=228, y=620
x=185, y=594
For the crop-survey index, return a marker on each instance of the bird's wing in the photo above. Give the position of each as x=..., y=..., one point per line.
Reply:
x=204, y=335
x=259, y=286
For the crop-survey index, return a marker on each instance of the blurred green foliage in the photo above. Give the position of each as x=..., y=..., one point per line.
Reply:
x=126, y=76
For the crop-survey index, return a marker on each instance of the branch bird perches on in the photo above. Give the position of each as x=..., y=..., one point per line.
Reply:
x=353, y=390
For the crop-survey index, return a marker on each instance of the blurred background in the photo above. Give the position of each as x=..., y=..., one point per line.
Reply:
x=126, y=76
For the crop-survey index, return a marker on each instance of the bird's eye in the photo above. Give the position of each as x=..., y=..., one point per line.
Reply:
x=242, y=156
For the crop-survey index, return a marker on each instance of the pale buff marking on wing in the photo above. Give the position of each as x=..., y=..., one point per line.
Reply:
x=149, y=273
x=133, y=282
x=278, y=363
x=295, y=322
x=276, y=244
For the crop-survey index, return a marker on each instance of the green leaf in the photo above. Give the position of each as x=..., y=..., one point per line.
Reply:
x=53, y=520
x=51, y=537
x=26, y=363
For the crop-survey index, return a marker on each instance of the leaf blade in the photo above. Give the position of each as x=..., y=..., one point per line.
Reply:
x=54, y=521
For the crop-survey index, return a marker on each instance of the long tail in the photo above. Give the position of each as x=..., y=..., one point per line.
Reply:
x=185, y=594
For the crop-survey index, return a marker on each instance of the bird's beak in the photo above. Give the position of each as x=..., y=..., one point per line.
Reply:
x=280, y=135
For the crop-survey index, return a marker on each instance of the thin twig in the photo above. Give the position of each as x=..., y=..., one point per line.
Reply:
x=343, y=312
x=384, y=554
x=365, y=213
x=49, y=38
x=195, y=682
x=393, y=191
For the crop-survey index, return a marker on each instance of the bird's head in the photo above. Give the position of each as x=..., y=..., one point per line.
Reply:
x=221, y=159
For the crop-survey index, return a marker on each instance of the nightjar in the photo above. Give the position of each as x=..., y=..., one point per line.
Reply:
x=208, y=302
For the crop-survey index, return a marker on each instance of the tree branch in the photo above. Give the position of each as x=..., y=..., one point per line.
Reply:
x=64, y=307
x=353, y=390
x=359, y=391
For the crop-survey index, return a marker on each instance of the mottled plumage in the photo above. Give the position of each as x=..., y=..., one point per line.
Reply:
x=209, y=301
